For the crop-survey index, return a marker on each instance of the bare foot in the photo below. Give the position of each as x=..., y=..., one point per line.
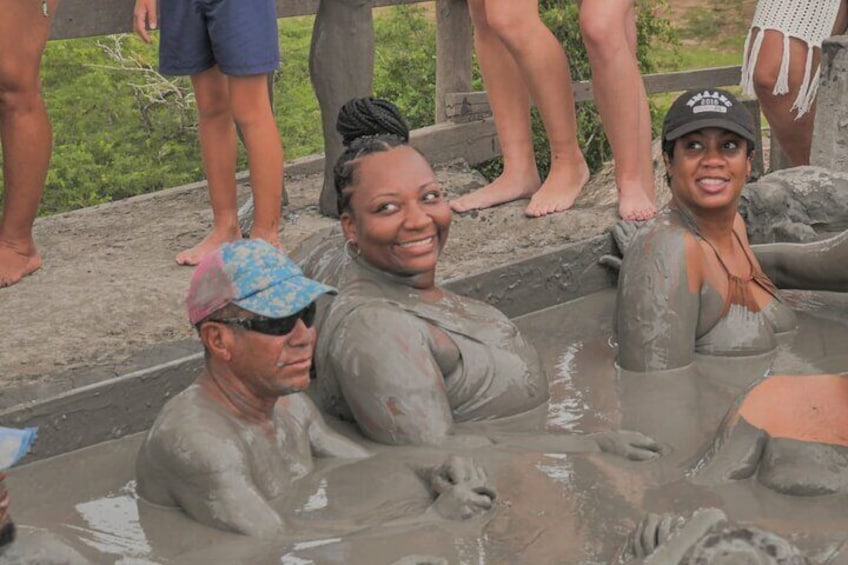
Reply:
x=502, y=190
x=635, y=205
x=271, y=236
x=558, y=193
x=17, y=261
x=210, y=243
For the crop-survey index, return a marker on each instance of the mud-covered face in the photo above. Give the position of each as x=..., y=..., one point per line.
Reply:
x=708, y=170
x=398, y=218
x=272, y=365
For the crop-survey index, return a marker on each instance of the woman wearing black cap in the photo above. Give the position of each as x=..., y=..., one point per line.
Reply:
x=691, y=283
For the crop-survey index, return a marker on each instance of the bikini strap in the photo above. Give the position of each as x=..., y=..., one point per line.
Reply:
x=757, y=274
x=738, y=290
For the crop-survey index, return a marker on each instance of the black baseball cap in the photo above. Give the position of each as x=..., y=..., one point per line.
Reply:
x=708, y=108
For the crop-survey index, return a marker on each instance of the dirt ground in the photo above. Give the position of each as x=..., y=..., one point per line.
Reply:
x=109, y=297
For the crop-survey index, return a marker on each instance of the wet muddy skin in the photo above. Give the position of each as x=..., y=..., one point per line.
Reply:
x=551, y=508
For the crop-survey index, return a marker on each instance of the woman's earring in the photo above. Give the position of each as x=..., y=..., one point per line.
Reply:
x=350, y=245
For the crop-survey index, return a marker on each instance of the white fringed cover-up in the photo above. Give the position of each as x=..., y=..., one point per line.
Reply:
x=811, y=21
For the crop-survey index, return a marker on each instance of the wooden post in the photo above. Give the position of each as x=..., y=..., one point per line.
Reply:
x=453, y=51
x=777, y=158
x=830, y=135
x=757, y=169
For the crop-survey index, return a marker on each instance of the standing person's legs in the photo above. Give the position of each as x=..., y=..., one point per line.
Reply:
x=251, y=109
x=246, y=45
x=793, y=132
x=510, y=103
x=609, y=33
x=219, y=149
x=546, y=74
x=25, y=133
x=544, y=67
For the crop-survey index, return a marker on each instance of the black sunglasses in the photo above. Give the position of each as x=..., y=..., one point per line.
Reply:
x=273, y=326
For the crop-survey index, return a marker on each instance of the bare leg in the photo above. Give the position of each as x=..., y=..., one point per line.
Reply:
x=609, y=32
x=510, y=103
x=25, y=133
x=219, y=150
x=794, y=135
x=251, y=109
x=520, y=58
x=341, y=65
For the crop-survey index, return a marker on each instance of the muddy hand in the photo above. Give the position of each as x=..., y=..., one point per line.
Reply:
x=651, y=532
x=461, y=502
x=458, y=470
x=461, y=489
x=629, y=444
x=623, y=233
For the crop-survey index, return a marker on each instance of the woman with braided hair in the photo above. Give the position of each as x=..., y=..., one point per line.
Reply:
x=403, y=358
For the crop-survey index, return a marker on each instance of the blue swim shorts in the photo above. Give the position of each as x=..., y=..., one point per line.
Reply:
x=240, y=36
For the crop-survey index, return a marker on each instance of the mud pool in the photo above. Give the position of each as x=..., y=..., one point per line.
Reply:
x=551, y=508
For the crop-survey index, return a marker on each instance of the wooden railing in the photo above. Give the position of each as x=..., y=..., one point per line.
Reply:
x=462, y=128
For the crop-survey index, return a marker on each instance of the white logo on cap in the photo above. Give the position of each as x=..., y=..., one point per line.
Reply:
x=707, y=101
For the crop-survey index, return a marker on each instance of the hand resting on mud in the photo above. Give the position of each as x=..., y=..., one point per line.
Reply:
x=623, y=233
x=461, y=488
x=624, y=443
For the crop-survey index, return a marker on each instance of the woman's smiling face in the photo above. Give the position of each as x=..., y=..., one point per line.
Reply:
x=398, y=216
x=709, y=168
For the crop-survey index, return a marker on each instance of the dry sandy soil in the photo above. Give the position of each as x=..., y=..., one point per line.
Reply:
x=109, y=297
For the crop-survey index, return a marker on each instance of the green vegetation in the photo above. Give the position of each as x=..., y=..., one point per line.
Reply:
x=121, y=129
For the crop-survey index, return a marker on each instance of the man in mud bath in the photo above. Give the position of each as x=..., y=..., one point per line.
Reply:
x=237, y=438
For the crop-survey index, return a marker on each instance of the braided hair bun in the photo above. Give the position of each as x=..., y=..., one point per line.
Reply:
x=370, y=118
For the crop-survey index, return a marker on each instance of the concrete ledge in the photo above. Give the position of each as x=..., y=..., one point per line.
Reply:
x=544, y=281
x=129, y=403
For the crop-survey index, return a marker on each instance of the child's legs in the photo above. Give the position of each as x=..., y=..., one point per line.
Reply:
x=217, y=146
x=246, y=47
x=608, y=29
x=251, y=109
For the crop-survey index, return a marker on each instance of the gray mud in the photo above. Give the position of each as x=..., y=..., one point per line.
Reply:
x=551, y=508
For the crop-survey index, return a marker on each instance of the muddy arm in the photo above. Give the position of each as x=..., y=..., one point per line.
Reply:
x=383, y=360
x=624, y=443
x=657, y=311
x=209, y=479
x=325, y=441
x=734, y=455
x=809, y=266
